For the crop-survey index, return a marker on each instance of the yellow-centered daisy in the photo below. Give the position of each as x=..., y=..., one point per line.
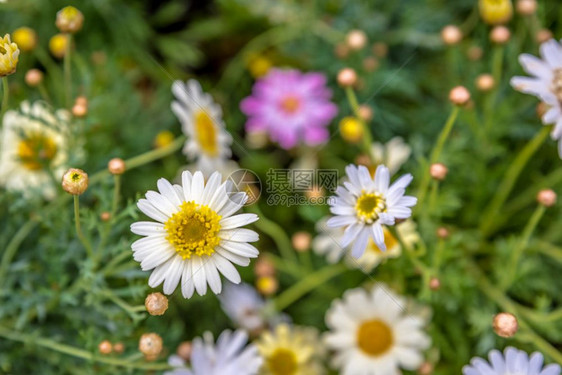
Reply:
x=195, y=237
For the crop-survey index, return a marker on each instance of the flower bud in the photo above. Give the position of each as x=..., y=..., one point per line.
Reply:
x=25, y=38
x=380, y=49
x=259, y=66
x=105, y=216
x=75, y=181
x=267, y=285
x=365, y=112
x=526, y=7
x=442, y=232
x=9, y=56
x=500, y=35
x=356, y=40
x=485, y=82
x=459, y=95
x=438, y=171
x=116, y=166
x=163, y=139
x=370, y=64
x=156, y=303
x=426, y=368
x=105, y=347
x=81, y=100
x=546, y=197
x=301, y=241
x=451, y=35
x=184, y=350
x=69, y=20
x=33, y=77
x=150, y=344
x=57, y=45
x=347, y=77
x=544, y=35
x=474, y=53
x=351, y=129
x=495, y=12
x=434, y=284
x=79, y=111
x=118, y=347
x=264, y=267
x=505, y=324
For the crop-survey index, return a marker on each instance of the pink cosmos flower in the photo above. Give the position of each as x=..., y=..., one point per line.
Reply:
x=291, y=106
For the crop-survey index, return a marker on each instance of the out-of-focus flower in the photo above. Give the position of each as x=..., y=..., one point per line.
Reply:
x=513, y=361
x=244, y=306
x=259, y=65
x=372, y=334
x=291, y=350
x=195, y=237
x=9, y=56
x=327, y=243
x=291, y=106
x=545, y=83
x=229, y=356
x=69, y=20
x=33, y=142
x=364, y=204
x=25, y=38
x=495, y=11
x=207, y=142
x=57, y=45
x=351, y=129
x=163, y=139
x=267, y=285
x=393, y=154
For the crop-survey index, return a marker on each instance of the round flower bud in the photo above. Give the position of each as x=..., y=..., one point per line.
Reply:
x=9, y=56
x=426, y=368
x=380, y=49
x=356, y=40
x=156, y=303
x=485, y=82
x=341, y=50
x=370, y=64
x=105, y=347
x=544, y=35
x=546, y=197
x=184, y=350
x=505, y=324
x=442, y=232
x=438, y=171
x=459, y=95
x=495, y=11
x=25, y=38
x=116, y=166
x=33, y=77
x=451, y=35
x=75, y=181
x=81, y=100
x=105, y=216
x=474, y=53
x=434, y=283
x=150, y=344
x=365, y=112
x=351, y=129
x=118, y=347
x=57, y=45
x=267, y=285
x=500, y=35
x=163, y=139
x=79, y=111
x=69, y=20
x=347, y=77
x=264, y=267
x=526, y=7
x=301, y=241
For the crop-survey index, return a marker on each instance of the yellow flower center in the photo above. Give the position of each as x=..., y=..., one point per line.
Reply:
x=389, y=240
x=206, y=133
x=36, y=150
x=374, y=337
x=283, y=362
x=369, y=206
x=290, y=104
x=556, y=84
x=193, y=230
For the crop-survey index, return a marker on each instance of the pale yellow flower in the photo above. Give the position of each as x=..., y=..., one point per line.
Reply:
x=9, y=55
x=495, y=11
x=25, y=38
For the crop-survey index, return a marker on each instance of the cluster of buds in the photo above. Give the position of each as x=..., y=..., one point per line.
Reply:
x=150, y=345
x=156, y=303
x=106, y=347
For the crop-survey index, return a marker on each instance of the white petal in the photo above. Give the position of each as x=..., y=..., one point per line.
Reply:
x=212, y=186
x=378, y=236
x=382, y=179
x=186, y=184
x=236, y=259
x=174, y=275
x=198, y=275
x=239, y=235
x=340, y=221
x=161, y=203
x=149, y=210
x=226, y=268
x=240, y=248
x=551, y=52
x=168, y=191
x=360, y=243
x=197, y=187
x=535, y=66
x=213, y=277
x=187, y=286
x=237, y=221
x=147, y=228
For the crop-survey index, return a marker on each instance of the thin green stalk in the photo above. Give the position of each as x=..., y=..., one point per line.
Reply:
x=367, y=140
x=510, y=177
x=81, y=236
x=79, y=353
x=13, y=246
x=5, y=97
x=68, y=71
x=435, y=153
x=306, y=285
x=116, y=194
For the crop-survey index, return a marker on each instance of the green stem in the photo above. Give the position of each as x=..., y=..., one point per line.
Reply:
x=435, y=153
x=68, y=71
x=13, y=246
x=510, y=177
x=116, y=193
x=81, y=236
x=307, y=284
x=5, y=96
x=367, y=139
x=78, y=353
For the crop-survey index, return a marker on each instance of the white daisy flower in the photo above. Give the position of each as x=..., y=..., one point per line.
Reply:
x=33, y=146
x=228, y=357
x=512, y=362
x=195, y=237
x=244, y=306
x=393, y=153
x=545, y=84
x=327, y=243
x=363, y=205
x=372, y=335
x=207, y=139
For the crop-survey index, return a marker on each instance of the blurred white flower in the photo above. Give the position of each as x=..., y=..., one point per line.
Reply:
x=513, y=361
x=244, y=306
x=393, y=153
x=195, y=237
x=372, y=334
x=33, y=146
x=208, y=142
x=546, y=84
x=364, y=204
